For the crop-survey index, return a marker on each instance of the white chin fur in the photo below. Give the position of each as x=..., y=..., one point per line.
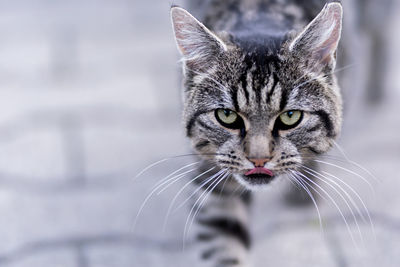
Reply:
x=263, y=187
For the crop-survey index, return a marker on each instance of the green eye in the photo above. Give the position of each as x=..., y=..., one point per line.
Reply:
x=227, y=116
x=289, y=119
x=229, y=119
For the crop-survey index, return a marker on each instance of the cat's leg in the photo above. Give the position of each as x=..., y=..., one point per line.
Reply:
x=221, y=234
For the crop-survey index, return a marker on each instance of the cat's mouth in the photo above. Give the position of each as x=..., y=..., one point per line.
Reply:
x=259, y=176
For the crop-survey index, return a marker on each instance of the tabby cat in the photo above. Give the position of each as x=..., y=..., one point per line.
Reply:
x=260, y=101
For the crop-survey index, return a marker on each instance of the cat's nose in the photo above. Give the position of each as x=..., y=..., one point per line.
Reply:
x=260, y=162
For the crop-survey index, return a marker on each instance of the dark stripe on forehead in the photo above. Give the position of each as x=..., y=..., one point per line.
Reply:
x=268, y=75
x=234, y=96
x=326, y=120
x=284, y=99
x=248, y=64
x=260, y=79
x=243, y=82
x=272, y=90
x=254, y=83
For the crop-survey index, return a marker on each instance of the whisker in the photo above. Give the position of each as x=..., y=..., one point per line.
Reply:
x=171, y=158
x=305, y=183
x=360, y=199
x=215, y=182
x=298, y=181
x=344, y=199
x=353, y=162
x=310, y=80
x=296, y=185
x=301, y=77
x=209, y=77
x=346, y=185
x=151, y=166
x=173, y=180
x=343, y=160
x=349, y=171
x=344, y=68
x=340, y=187
x=321, y=76
x=179, y=192
x=239, y=186
x=199, y=188
x=200, y=205
x=223, y=188
x=166, y=178
x=243, y=191
x=157, y=187
x=333, y=201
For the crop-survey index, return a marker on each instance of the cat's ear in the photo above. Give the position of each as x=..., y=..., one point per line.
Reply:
x=319, y=40
x=198, y=45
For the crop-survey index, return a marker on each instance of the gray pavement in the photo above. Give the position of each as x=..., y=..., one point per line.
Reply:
x=90, y=96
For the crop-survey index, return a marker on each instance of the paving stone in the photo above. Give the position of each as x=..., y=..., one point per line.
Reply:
x=90, y=96
x=124, y=256
x=293, y=248
x=34, y=164
x=57, y=258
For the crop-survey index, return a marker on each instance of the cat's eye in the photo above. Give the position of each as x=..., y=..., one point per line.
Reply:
x=229, y=119
x=289, y=119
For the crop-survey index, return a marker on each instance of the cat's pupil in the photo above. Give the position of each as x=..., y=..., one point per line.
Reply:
x=227, y=112
x=290, y=114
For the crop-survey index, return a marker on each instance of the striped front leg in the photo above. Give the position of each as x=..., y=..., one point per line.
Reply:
x=221, y=233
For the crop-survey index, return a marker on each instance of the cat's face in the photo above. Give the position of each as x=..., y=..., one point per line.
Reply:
x=260, y=113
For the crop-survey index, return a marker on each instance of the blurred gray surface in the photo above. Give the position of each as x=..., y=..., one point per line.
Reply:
x=90, y=96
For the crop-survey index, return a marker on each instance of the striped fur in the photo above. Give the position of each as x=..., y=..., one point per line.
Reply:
x=259, y=59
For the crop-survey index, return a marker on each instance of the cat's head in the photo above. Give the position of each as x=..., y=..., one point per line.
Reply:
x=261, y=112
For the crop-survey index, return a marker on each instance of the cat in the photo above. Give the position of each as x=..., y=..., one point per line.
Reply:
x=261, y=101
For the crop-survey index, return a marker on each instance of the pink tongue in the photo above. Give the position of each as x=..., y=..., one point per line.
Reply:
x=260, y=170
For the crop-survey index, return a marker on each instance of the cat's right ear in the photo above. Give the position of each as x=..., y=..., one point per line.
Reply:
x=197, y=44
x=319, y=40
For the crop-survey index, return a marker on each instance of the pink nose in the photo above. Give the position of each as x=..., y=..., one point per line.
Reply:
x=259, y=162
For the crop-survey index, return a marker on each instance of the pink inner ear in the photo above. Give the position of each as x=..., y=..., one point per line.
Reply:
x=321, y=37
x=329, y=46
x=183, y=28
x=192, y=37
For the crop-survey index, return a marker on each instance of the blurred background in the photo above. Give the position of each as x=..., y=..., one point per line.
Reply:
x=90, y=95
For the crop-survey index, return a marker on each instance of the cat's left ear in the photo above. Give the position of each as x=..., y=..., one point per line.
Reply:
x=198, y=45
x=319, y=40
